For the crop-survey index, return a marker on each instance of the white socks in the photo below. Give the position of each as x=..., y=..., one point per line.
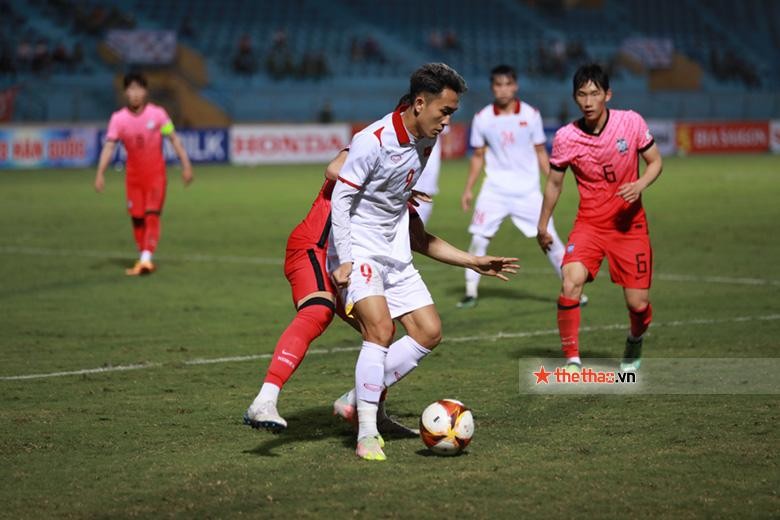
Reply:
x=479, y=245
x=268, y=392
x=369, y=383
x=402, y=358
x=146, y=256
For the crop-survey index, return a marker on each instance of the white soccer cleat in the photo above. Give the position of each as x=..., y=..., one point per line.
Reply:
x=584, y=300
x=343, y=408
x=263, y=414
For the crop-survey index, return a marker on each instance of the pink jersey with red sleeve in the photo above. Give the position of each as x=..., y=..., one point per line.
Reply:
x=601, y=164
x=141, y=135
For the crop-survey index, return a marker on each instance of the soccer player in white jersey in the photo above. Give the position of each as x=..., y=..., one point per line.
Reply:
x=508, y=140
x=370, y=242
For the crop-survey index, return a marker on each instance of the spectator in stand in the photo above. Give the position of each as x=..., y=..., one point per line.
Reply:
x=279, y=63
x=244, y=61
x=451, y=41
x=41, y=58
x=372, y=50
x=24, y=54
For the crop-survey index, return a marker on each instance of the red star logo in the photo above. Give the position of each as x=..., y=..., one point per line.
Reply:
x=542, y=375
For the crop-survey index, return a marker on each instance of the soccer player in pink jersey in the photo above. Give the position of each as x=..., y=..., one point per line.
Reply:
x=602, y=149
x=141, y=126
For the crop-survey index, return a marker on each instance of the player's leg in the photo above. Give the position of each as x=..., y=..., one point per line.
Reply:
x=630, y=265
x=575, y=275
x=581, y=263
x=315, y=303
x=489, y=211
x=135, y=207
x=377, y=328
x=154, y=202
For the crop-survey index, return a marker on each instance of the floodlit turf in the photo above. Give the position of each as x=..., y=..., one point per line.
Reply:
x=167, y=439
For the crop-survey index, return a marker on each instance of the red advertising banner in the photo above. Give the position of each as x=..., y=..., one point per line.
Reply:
x=733, y=136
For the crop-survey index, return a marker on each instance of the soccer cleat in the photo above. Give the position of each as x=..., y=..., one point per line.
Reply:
x=140, y=268
x=264, y=415
x=370, y=448
x=632, y=356
x=584, y=300
x=468, y=302
x=346, y=410
x=389, y=426
x=572, y=367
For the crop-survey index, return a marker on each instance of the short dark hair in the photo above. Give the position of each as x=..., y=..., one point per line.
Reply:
x=503, y=70
x=590, y=72
x=433, y=78
x=135, y=77
x=405, y=101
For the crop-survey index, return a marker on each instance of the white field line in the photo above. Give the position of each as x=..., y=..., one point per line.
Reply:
x=255, y=260
x=321, y=351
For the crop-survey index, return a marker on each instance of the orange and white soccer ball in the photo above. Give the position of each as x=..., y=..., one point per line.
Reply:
x=446, y=427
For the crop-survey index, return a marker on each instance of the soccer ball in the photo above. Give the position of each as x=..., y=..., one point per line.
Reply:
x=446, y=427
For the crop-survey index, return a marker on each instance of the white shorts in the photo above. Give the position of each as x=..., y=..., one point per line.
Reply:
x=400, y=284
x=492, y=208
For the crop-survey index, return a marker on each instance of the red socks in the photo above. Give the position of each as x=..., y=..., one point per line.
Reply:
x=640, y=320
x=139, y=230
x=152, y=232
x=308, y=324
x=569, y=326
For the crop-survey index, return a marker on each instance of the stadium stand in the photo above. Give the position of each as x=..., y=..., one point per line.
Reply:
x=285, y=61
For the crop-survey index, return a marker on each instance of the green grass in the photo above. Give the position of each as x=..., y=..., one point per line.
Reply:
x=168, y=440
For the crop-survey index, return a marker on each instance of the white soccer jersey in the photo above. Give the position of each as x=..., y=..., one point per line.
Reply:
x=429, y=180
x=383, y=165
x=511, y=164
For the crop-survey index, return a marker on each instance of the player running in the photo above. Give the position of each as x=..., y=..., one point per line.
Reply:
x=371, y=242
x=140, y=126
x=602, y=149
x=508, y=140
x=315, y=300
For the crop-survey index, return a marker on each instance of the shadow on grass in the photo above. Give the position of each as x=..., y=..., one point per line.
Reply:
x=505, y=293
x=424, y=452
x=311, y=425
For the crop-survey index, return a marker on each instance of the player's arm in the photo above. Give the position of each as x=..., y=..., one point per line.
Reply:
x=360, y=161
x=552, y=192
x=186, y=167
x=543, y=158
x=476, y=163
x=334, y=167
x=653, y=168
x=105, y=158
x=442, y=251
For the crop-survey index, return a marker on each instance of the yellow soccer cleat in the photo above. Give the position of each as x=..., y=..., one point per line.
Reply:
x=370, y=448
x=140, y=268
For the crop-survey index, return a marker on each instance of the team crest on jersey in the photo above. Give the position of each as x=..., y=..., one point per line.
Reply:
x=395, y=158
x=570, y=248
x=150, y=124
x=523, y=123
x=622, y=146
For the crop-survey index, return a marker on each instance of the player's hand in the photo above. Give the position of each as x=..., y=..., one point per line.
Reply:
x=418, y=197
x=498, y=266
x=465, y=200
x=630, y=191
x=186, y=175
x=545, y=239
x=100, y=183
x=341, y=275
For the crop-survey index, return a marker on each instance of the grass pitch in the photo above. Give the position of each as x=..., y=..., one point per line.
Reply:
x=166, y=439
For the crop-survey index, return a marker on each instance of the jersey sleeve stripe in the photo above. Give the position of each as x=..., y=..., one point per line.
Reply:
x=647, y=146
x=345, y=181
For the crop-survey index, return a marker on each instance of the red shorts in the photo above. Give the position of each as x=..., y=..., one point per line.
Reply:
x=145, y=196
x=629, y=255
x=306, y=272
